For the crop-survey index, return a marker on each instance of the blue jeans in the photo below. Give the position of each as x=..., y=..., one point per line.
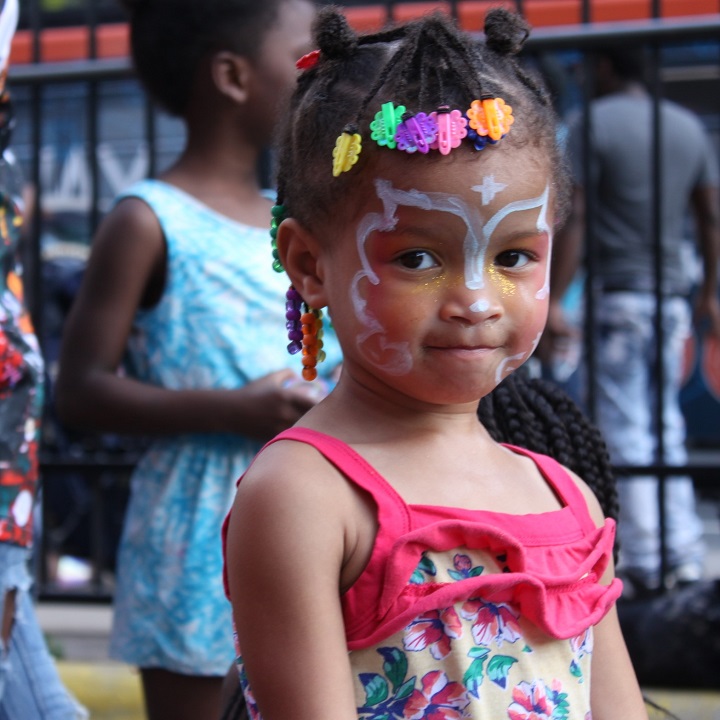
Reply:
x=30, y=687
x=626, y=406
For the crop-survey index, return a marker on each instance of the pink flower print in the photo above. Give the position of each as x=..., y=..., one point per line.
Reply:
x=534, y=701
x=582, y=644
x=463, y=568
x=491, y=623
x=530, y=702
x=438, y=699
x=433, y=630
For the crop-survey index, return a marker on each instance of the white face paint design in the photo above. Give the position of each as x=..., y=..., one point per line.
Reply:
x=396, y=357
x=505, y=368
x=489, y=189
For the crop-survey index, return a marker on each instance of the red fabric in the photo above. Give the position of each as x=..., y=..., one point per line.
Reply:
x=553, y=560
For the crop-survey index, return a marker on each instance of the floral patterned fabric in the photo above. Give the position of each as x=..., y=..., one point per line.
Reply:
x=472, y=614
x=220, y=324
x=21, y=388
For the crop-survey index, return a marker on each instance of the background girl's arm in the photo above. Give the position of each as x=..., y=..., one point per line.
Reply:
x=614, y=692
x=126, y=267
x=285, y=551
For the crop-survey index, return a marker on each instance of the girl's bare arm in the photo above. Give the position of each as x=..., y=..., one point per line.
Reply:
x=615, y=692
x=127, y=262
x=285, y=550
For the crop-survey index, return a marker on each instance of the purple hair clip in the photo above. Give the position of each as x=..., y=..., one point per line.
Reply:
x=416, y=133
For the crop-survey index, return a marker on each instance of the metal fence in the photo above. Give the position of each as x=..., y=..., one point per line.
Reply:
x=84, y=127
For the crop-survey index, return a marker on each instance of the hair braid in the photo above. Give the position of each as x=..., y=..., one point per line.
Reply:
x=537, y=415
x=421, y=65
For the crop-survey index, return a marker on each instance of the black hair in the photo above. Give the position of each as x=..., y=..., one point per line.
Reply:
x=421, y=65
x=169, y=38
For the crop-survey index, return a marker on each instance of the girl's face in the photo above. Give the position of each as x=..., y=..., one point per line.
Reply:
x=274, y=70
x=440, y=289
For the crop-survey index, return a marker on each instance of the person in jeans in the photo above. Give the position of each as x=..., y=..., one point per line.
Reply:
x=30, y=687
x=621, y=183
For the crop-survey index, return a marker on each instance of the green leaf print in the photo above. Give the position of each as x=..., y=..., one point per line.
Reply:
x=576, y=670
x=395, y=665
x=376, y=688
x=473, y=677
x=498, y=669
x=405, y=690
x=479, y=652
x=477, y=570
x=425, y=567
x=562, y=706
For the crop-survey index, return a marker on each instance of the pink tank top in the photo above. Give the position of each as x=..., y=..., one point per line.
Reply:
x=469, y=613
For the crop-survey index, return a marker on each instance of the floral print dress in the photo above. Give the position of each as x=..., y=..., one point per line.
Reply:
x=21, y=388
x=472, y=614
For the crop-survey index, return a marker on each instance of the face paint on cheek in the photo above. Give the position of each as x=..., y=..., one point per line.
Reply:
x=505, y=367
x=543, y=226
x=393, y=358
x=504, y=284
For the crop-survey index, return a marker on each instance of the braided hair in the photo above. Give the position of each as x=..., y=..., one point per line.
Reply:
x=422, y=65
x=537, y=415
x=169, y=38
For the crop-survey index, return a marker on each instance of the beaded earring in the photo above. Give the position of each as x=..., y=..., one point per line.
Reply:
x=278, y=215
x=312, y=344
x=304, y=325
x=305, y=332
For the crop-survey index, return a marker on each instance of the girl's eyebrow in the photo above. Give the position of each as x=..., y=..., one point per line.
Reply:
x=430, y=228
x=521, y=235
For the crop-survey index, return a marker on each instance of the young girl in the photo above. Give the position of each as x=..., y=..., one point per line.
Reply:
x=386, y=558
x=179, y=277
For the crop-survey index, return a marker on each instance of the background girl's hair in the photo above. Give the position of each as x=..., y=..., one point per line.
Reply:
x=421, y=65
x=169, y=38
x=537, y=415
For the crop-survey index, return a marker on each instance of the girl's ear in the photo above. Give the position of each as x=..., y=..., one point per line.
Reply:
x=231, y=75
x=301, y=256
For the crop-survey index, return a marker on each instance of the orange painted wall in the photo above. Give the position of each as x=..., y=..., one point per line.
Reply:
x=72, y=43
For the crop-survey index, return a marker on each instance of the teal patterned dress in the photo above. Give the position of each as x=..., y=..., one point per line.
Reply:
x=219, y=324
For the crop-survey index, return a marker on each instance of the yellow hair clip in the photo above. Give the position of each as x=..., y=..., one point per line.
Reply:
x=347, y=149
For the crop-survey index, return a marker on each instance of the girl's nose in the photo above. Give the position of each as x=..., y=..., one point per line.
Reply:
x=470, y=307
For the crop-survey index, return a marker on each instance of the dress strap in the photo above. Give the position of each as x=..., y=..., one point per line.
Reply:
x=564, y=486
x=393, y=513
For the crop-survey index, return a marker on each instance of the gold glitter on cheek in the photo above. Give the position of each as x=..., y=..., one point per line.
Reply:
x=505, y=284
x=434, y=286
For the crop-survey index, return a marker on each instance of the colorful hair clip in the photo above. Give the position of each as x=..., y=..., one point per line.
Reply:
x=385, y=124
x=416, y=133
x=490, y=116
x=347, y=149
x=479, y=141
x=308, y=61
x=278, y=215
x=451, y=129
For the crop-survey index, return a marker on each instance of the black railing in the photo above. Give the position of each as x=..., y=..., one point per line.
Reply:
x=91, y=459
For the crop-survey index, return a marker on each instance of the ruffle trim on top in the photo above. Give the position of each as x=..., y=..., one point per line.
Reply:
x=561, y=605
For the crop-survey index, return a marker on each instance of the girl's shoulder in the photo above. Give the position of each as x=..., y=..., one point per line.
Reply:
x=567, y=484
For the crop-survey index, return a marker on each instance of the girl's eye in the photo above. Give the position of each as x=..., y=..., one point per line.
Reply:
x=417, y=260
x=513, y=259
